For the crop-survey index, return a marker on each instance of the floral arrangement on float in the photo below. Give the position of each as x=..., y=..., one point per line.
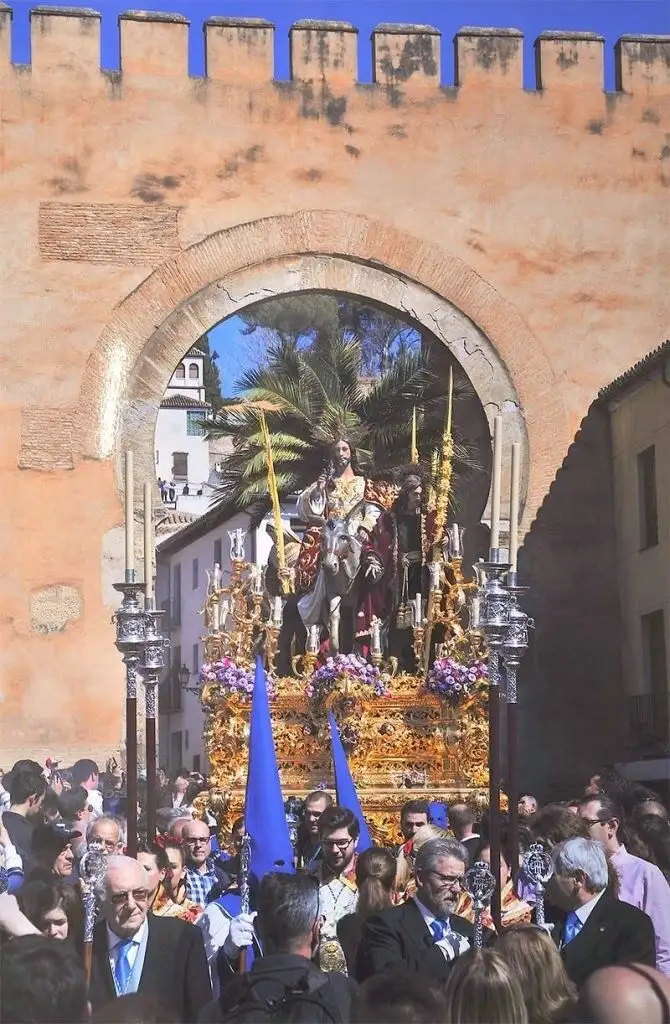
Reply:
x=454, y=681
x=233, y=680
x=350, y=674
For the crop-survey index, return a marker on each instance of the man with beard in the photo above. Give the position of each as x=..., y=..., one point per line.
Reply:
x=309, y=845
x=396, y=549
x=26, y=793
x=423, y=934
x=336, y=871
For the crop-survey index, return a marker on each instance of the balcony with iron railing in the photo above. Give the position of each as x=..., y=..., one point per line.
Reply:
x=649, y=723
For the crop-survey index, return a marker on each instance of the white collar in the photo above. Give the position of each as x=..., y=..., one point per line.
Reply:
x=113, y=939
x=584, y=912
x=427, y=914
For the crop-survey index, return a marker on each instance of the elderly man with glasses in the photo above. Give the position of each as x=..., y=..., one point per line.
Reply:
x=134, y=951
x=422, y=934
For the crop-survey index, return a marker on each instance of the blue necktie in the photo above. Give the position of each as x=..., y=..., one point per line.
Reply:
x=439, y=930
x=122, y=969
x=571, y=928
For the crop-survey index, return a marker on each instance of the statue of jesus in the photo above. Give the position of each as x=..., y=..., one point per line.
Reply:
x=340, y=494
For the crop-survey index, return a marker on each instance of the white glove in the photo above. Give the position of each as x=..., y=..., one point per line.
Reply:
x=241, y=934
x=449, y=949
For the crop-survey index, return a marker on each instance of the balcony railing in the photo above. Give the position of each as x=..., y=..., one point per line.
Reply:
x=648, y=722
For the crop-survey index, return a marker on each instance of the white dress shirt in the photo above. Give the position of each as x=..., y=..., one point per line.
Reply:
x=584, y=912
x=139, y=944
x=445, y=947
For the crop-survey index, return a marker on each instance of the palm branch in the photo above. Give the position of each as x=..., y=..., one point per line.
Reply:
x=310, y=397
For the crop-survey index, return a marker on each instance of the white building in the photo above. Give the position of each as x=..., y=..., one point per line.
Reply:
x=182, y=450
x=182, y=561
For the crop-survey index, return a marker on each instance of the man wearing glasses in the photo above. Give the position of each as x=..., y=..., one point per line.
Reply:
x=423, y=934
x=643, y=885
x=201, y=872
x=137, y=952
x=336, y=871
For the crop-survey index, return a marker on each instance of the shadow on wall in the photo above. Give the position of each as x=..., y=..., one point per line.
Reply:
x=571, y=702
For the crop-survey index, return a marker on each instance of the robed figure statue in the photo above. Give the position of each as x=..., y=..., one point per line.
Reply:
x=341, y=510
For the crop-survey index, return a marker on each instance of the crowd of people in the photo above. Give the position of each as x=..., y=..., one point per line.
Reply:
x=383, y=935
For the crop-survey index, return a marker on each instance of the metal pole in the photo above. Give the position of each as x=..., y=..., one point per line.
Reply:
x=131, y=758
x=150, y=696
x=513, y=771
x=494, y=782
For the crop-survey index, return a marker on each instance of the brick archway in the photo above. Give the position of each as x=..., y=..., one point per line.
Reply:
x=126, y=374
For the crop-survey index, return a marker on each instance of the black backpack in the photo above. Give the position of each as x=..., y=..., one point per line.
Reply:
x=305, y=1002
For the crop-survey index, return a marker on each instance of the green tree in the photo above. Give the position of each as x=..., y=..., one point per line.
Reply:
x=319, y=318
x=309, y=397
x=211, y=375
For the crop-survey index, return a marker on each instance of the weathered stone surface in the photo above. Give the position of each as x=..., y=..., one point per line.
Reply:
x=46, y=439
x=99, y=233
x=531, y=214
x=54, y=608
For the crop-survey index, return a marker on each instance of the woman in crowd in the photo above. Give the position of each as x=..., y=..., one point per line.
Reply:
x=534, y=960
x=55, y=909
x=156, y=861
x=375, y=876
x=514, y=910
x=483, y=989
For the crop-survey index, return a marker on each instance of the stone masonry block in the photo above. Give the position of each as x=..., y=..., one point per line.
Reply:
x=53, y=608
x=98, y=233
x=46, y=439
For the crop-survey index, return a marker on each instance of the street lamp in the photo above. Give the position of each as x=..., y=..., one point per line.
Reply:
x=183, y=675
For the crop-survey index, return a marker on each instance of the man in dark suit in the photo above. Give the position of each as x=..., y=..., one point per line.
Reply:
x=423, y=934
x=598, y=930
x=136, y=952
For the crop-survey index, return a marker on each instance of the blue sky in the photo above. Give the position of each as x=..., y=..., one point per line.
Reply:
x=611, y=18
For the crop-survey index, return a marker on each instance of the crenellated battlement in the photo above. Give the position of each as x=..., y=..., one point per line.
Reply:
x=406, y=59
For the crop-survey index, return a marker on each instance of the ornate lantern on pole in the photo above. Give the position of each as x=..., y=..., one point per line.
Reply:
x=130, y=637
x=153, y=663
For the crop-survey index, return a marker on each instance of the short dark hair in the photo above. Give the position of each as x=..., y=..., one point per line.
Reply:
x=415, y=807
x=461, y=815
x=134, y=1007
x=51, y=803
x=288, y=907
x=339, y=817
x=319, y=794
x=82, y=770
x=72, y=802
x=27, y=765
x=398, y=997
x=42, y=982
x=238, y=823
x=553, y=824
x=25, y=784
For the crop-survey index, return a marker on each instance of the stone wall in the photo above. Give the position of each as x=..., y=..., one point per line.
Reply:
x=530, y=227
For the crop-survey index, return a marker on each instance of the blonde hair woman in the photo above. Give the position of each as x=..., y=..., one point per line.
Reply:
x=482, y=989
x=534, y=959
x=405, y=886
